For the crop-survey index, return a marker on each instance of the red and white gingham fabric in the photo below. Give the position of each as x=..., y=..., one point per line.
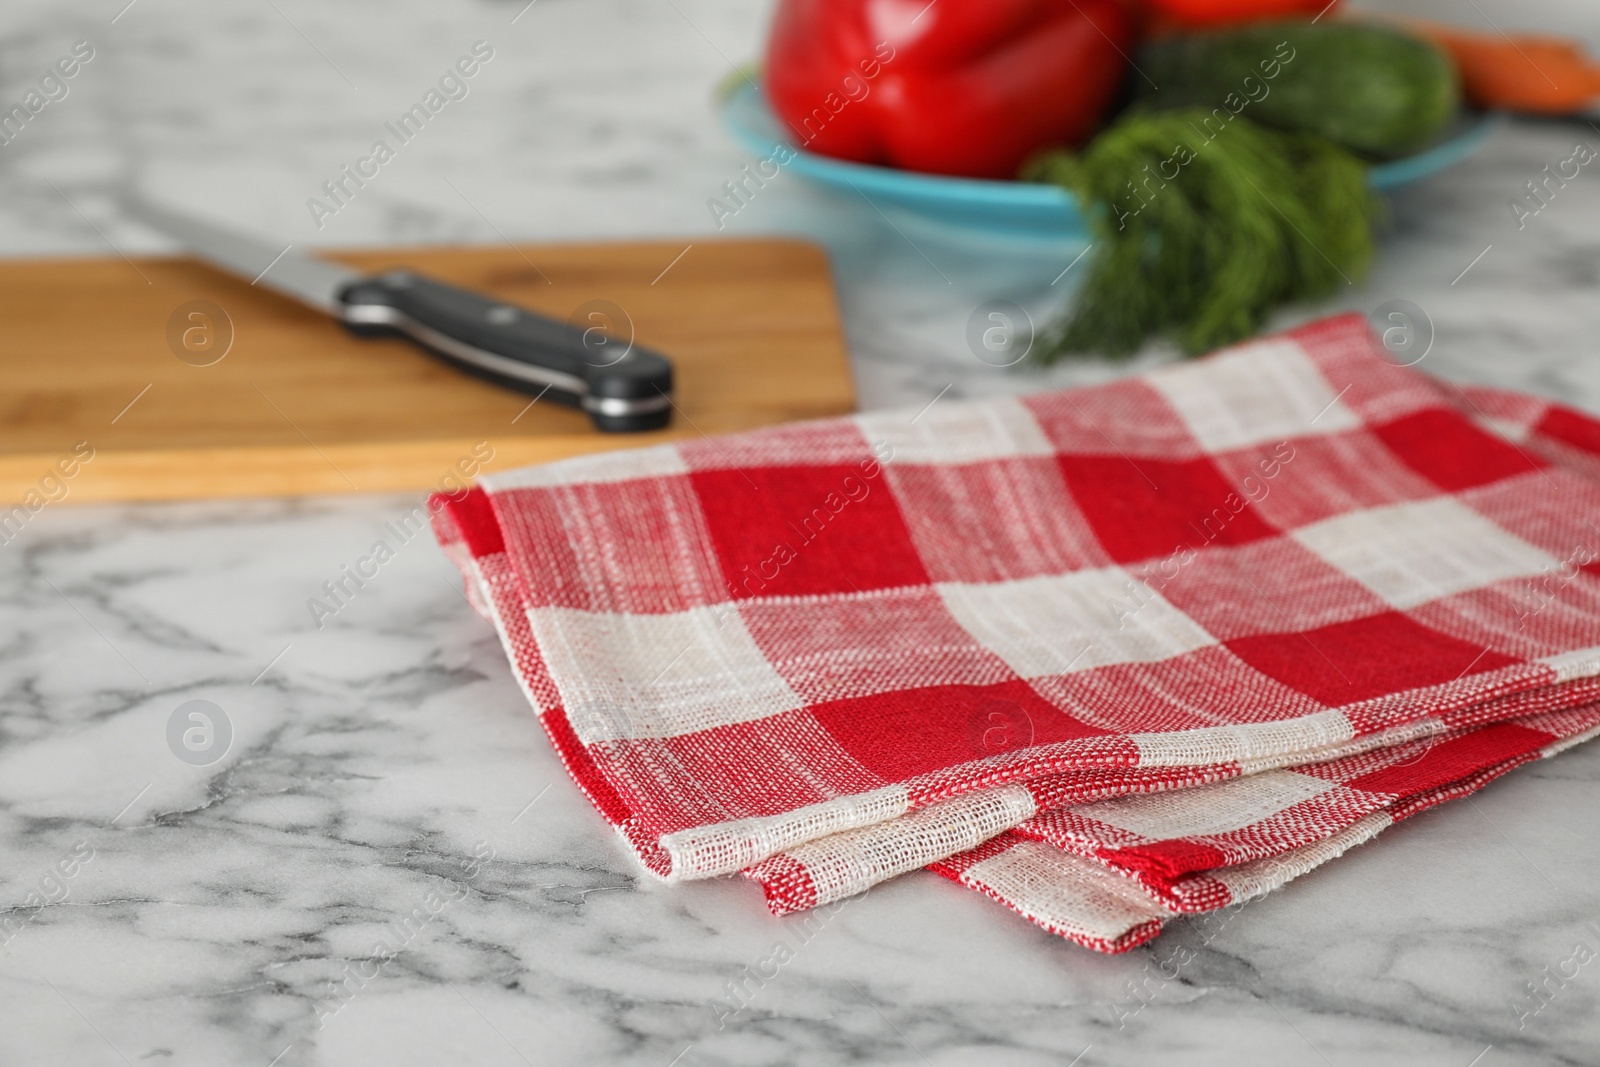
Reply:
x=1158, y=839
x=853, y=647
x=845, y=863
x=1056, y=869
x=1169, y=849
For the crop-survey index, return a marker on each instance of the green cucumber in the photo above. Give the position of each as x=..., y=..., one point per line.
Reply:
x=1377, y=91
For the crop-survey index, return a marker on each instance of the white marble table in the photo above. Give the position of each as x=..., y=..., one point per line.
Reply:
x=385, y=786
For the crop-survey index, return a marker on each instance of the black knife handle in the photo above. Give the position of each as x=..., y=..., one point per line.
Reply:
x=623, y=387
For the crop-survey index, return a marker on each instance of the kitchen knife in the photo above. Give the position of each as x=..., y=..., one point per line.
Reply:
x=623, y=387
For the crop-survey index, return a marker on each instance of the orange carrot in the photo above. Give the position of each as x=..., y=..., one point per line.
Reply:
x=1518, y=72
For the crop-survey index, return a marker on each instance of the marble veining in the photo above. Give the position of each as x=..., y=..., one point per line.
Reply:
x=389, y=866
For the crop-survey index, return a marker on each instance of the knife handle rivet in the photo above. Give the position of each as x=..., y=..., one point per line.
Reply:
x=501, y=315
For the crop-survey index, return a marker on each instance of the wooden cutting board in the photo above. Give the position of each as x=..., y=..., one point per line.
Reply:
x=178, y=399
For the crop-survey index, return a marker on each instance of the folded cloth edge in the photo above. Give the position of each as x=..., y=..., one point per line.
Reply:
x=1093, y=905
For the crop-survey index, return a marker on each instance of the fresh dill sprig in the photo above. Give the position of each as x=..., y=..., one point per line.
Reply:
x=1201, y=230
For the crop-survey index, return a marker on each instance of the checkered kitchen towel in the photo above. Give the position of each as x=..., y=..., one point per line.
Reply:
x=743, y=646
x=1203, y=849
x=841, y=864
x=1110, y=875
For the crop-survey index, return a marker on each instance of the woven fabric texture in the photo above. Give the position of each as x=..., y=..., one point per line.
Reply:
x=833, y=651
x=1111, y=900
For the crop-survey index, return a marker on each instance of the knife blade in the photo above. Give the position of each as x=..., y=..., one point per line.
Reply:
x=510, y=345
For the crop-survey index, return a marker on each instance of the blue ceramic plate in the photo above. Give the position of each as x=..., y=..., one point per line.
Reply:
x=1015, y=208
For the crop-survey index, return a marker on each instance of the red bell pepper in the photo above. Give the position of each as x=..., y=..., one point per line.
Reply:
x=962, y=87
